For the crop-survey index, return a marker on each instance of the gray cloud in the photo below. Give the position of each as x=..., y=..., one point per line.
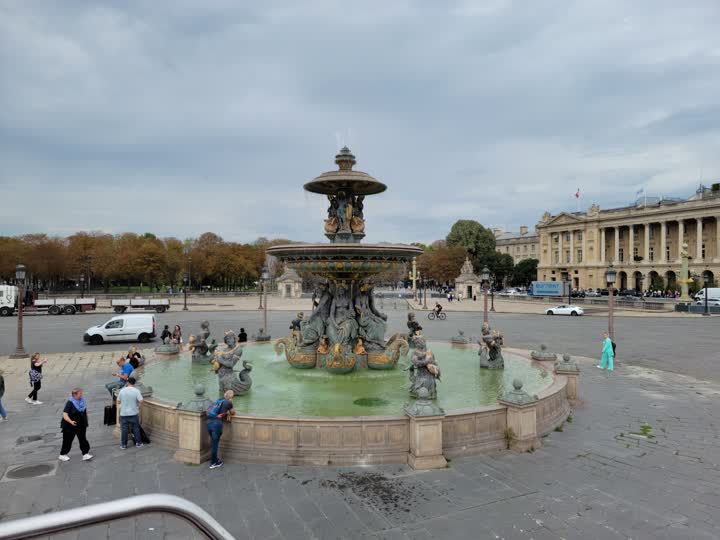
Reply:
x=181, y=117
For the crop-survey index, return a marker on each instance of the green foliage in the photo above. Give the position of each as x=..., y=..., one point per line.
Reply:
x=525, y=272
x=478, y=241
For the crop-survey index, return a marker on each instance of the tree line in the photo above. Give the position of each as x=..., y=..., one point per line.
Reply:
x=105, y=261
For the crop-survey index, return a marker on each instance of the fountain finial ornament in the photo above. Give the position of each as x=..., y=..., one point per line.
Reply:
x=345, y=159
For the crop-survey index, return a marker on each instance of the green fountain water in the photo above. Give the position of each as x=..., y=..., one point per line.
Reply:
x=279, y=390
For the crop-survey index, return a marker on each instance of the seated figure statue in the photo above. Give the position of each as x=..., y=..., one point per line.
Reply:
x=424, y=370
x=371, y=322
x=342, y=328
x=225, y=360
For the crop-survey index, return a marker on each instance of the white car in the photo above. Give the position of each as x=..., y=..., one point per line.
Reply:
x=711, y=302
x=136, y=327
x=564, y=309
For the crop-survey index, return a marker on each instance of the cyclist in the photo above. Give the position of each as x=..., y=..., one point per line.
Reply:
x=438, y=309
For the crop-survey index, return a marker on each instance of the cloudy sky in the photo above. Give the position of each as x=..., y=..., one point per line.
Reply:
x=180, y=117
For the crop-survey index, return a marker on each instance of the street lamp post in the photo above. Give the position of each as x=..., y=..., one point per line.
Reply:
x=20, y=280
x=706, y=282
x=424, y=282
x=264, y=277
x=82, y=286
x=610, y=276
x=640, y=280
x=486, y=280
x=185, y=281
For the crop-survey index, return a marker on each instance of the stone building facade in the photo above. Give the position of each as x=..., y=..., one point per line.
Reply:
x=520, y=245
x=643, y=242
x=289, y=285
x=468, y=282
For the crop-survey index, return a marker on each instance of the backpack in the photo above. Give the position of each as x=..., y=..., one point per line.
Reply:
x=614, y=345
x=213, y=412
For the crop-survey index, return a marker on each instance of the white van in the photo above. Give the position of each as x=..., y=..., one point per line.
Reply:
x=713, y=292
x=136, y=327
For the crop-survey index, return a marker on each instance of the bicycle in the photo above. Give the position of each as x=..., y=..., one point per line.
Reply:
x=434, y=315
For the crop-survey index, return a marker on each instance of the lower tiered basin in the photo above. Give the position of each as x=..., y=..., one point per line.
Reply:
x=281, y=391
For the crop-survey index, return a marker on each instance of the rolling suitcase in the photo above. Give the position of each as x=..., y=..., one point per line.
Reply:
x=110, y=417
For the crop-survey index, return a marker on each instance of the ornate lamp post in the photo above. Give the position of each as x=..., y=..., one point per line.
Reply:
x=706, y=282
x=264, y=278
x=20, y=280
x=640, y=280
x=424, y=283
x=185, y=281
x=82, y=285
x=486, y=280
x=260, y=283
x=610, y=276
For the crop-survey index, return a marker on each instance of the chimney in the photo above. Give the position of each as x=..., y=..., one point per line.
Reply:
x=523, y=229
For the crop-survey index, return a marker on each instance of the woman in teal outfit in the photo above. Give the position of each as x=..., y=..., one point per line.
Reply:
x=607, y=353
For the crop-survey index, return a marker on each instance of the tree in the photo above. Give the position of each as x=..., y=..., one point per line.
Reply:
x=441, y=264
x=501, y=266
x=525, y=272
x=478, y=241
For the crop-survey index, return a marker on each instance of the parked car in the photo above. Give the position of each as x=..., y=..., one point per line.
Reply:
x=578, y=294
x=711, y=302
x=135, y=327
x=592, y=294
x=565, y=309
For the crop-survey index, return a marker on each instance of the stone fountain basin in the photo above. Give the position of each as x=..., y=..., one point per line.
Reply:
x=327, y=427
x=352, y=259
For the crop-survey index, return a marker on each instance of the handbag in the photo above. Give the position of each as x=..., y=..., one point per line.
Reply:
x=35, y=376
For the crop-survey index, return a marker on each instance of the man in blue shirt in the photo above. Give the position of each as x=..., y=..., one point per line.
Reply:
x=130, y=400
x=125, y=370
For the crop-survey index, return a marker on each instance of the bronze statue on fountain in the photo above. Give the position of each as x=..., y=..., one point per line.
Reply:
x=345, y=331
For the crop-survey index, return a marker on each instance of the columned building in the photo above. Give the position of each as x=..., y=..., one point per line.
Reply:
x=520, y=245
x=643, y=242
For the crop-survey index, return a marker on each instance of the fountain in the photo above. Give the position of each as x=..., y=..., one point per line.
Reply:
x=305, y=413
x=346, y=331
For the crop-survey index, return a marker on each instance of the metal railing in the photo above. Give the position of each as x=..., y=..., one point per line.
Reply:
x=96, y=514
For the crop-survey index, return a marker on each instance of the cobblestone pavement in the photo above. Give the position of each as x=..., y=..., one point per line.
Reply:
x=604, y=476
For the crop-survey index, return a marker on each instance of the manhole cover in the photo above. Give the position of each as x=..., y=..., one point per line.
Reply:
x=35, y=470
x=370, y=402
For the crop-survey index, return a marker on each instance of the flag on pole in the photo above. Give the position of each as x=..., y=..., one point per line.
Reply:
x=577, y=193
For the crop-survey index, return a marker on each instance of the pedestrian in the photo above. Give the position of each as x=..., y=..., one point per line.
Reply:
x=36, y=376
x=135, y=358
x=242, y=336
x=177, y=336
x=74, y=423
x=222, y=410
x=3, y=413
x=125, y=370
x=130, y=400
x=166, y=333
x=607, y=353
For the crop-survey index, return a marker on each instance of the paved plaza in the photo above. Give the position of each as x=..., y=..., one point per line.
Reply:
x=639, y=459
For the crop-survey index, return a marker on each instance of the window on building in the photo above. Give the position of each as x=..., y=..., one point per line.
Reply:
x=652, y=231
x=703, y=251
x=652, y=253
x=556, y=238
x=567, y=236
x=621, y=254
x=579, y=255
x=532, y=248
x=620, y=234
x=556, y=257
x=567, y=256
x=635, y=232
x=579, y=235
x=667, y=253
x=635, y=252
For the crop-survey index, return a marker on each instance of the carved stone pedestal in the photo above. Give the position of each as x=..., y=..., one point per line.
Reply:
x=426, y=443
x=521, y=419
x=193, y=438
x=569, y=369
